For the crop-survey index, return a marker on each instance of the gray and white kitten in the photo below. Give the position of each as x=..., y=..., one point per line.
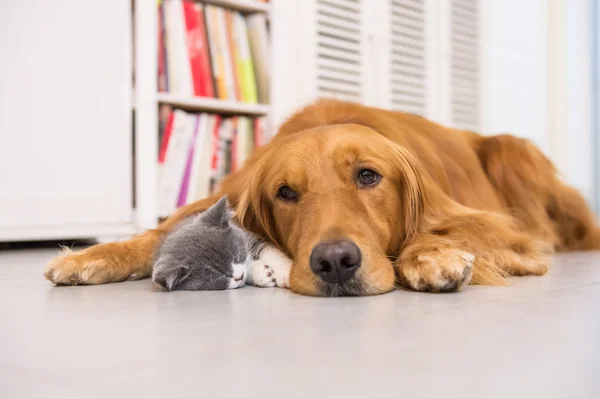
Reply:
x=210, y=252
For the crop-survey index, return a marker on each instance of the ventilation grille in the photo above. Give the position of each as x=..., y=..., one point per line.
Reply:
x=339, y=55
x=408, y=89
x=464, y=44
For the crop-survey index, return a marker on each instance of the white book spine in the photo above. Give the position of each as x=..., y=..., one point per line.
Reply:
x=203, y=180
x=178, y=67
x=224, y=136
x=242, y=142
x=197, y=162
x=173, y=169
x=214, y=46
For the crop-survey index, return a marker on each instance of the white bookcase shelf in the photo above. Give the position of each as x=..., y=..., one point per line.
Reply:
x=241, y=5
x=205, y=104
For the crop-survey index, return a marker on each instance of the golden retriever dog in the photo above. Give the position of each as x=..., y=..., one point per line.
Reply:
x=364, y=199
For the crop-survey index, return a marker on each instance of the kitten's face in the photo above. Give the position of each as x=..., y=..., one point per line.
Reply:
x=205, y=253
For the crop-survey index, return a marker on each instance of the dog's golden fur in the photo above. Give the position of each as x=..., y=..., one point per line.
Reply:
x=448, y=200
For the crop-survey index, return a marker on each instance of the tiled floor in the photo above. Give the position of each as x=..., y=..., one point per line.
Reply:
x=539, y=338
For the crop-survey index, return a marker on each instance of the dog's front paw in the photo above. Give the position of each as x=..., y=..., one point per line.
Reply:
x=271, y=269
x=73, y=268
x=99, y=264
x=445, y=270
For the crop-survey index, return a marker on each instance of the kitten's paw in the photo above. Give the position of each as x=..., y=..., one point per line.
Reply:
x=271, y=269
x=238, y=278
x=262, y=275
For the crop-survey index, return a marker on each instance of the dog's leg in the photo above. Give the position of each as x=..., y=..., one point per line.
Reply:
x=117, y=261
x=473, y=247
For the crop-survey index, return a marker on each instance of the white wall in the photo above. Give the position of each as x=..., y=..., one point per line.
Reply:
x=514, y=69
x=536, y=80
x=571, y=98
x=578, y=138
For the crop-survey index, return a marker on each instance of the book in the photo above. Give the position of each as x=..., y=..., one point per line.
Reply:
x=243, y=142
x=224, y=149
x=214, y=164
x=259, y=132
x=172, y=169
x=179, y=72
x=183, y=190
x=197, y=151
x=216, y=51
x=194, y=47
x=260, y=51
x=205, y=67
x=234, y=143
x=201, y=170
x=234, y=50
x=209, y=51
x=226, y=54
x=163, y=81
x=199, y=160
x=165, y=124
x=206, y=182
x=249, y=144
x=245, y=63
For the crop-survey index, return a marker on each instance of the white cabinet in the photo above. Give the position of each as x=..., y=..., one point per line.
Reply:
x=65, y=119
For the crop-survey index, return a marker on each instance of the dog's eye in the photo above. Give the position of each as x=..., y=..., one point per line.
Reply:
x=367, y=177
x=287, y=194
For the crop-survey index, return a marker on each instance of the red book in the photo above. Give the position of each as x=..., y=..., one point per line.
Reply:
x=205, y=70
x=194, y=44
x=164, y=144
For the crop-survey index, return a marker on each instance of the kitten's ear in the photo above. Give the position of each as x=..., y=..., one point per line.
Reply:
x=171, y=279
x=218, y=215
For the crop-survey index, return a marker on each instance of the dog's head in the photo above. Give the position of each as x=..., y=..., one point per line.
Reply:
x=340, y=200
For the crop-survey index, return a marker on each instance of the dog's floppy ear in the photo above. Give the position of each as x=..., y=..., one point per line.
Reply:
x=254, y=206
x=413, y=193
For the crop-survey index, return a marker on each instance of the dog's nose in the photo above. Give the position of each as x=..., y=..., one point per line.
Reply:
x=335, y=261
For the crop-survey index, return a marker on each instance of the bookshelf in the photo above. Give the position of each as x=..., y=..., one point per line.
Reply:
x=242, y=5
x=205, y=104
x=147, y=99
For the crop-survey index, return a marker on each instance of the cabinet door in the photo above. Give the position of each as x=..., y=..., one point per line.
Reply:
x=65, y=113
x=340, y=49
x=407, y=53
x=320, y=50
